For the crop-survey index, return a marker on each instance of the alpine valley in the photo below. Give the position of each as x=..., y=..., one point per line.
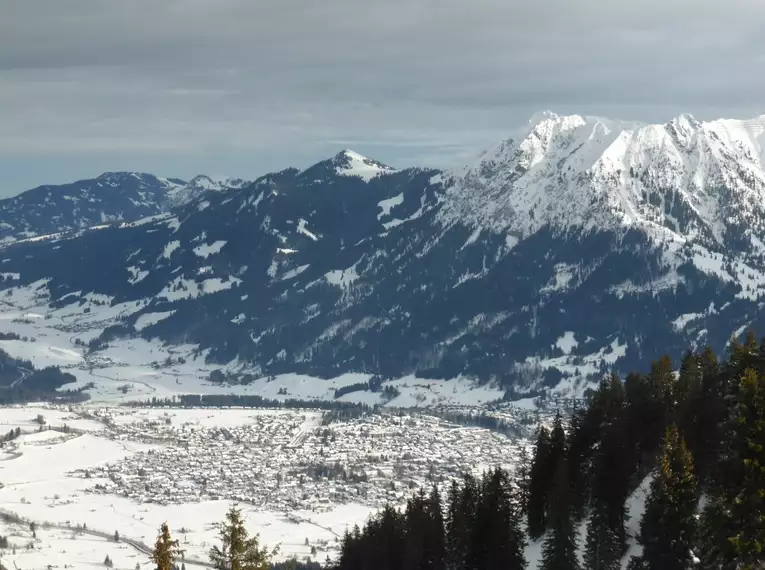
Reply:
x=576, y=246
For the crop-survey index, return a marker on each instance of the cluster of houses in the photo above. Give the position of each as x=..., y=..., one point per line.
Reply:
x=287, y=460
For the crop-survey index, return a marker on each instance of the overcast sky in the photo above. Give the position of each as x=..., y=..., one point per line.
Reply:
x=243, y=87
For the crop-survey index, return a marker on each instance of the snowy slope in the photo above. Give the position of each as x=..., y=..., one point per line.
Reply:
x=194, y=188
x=349, y=163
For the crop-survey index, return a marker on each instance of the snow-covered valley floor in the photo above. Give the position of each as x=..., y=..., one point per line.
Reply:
x=90, y=471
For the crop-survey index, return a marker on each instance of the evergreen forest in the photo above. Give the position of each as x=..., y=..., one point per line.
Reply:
x=694, y=439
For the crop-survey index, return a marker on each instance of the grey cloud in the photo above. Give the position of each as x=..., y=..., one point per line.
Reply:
x=105, y=81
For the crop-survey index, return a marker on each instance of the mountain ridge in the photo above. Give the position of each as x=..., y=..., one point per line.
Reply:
x=126, y=196
x=605, y=173
x=537, y=267
x=109, y=197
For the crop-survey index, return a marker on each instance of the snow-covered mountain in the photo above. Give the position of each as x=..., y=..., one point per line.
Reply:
x=194, y=188
x=696, y=181
x=576, y=245
x=111, y=197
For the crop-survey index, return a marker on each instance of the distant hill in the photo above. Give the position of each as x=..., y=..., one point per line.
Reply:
x=109, y=198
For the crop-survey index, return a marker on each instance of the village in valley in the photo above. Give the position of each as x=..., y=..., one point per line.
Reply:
x=297, y=472
x=288, y=460
x=91, y=481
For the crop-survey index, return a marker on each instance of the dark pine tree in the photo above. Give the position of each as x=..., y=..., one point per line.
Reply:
x=667, y=530
x=539, y=485
x=612, y=471
x=436, y=539
x=713, y=548
x=550, y=451
x=498, y=540
x=587, y=429
x=746, y=499
x=523, y=479
x=603, y=547
x=384, y=541
x=460, y=522
x=415, y=529
x=424, y=533
x=559, y=551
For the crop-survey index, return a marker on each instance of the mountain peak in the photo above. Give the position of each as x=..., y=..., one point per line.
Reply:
x=541, y=116
x=350, y=163
x=204, y=182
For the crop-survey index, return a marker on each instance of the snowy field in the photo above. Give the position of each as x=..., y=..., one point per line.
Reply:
x=37, y=485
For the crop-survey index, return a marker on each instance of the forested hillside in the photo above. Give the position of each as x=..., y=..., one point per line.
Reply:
x=21, y=382
x=697, y=440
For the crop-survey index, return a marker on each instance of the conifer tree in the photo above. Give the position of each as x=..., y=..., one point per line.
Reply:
x=689, y=378
x=612, y=471
x=523, y=479
x=713, y=548
x=424, y=532
x=351, y=557
x=460, y=521
x=603, y=548
x=238, y=551
x=453, y=527
x=663, y=389
x=166, y=550
x=559, y=550
x=539, y=483
x=497, y=538
x=747, y=498
x=708, y=410
x=436, y=539
x=667, y=530
x=587, y=428
x=557, y=440
x=388, y=541
x=550, y=451
x=732, y=521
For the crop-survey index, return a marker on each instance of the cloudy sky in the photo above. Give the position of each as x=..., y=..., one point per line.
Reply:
x=243, y=87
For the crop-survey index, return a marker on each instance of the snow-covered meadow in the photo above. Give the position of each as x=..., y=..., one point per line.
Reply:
x=38, y=485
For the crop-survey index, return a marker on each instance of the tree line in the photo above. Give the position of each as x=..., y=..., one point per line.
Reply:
x=699, y=432
x=337, y=411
